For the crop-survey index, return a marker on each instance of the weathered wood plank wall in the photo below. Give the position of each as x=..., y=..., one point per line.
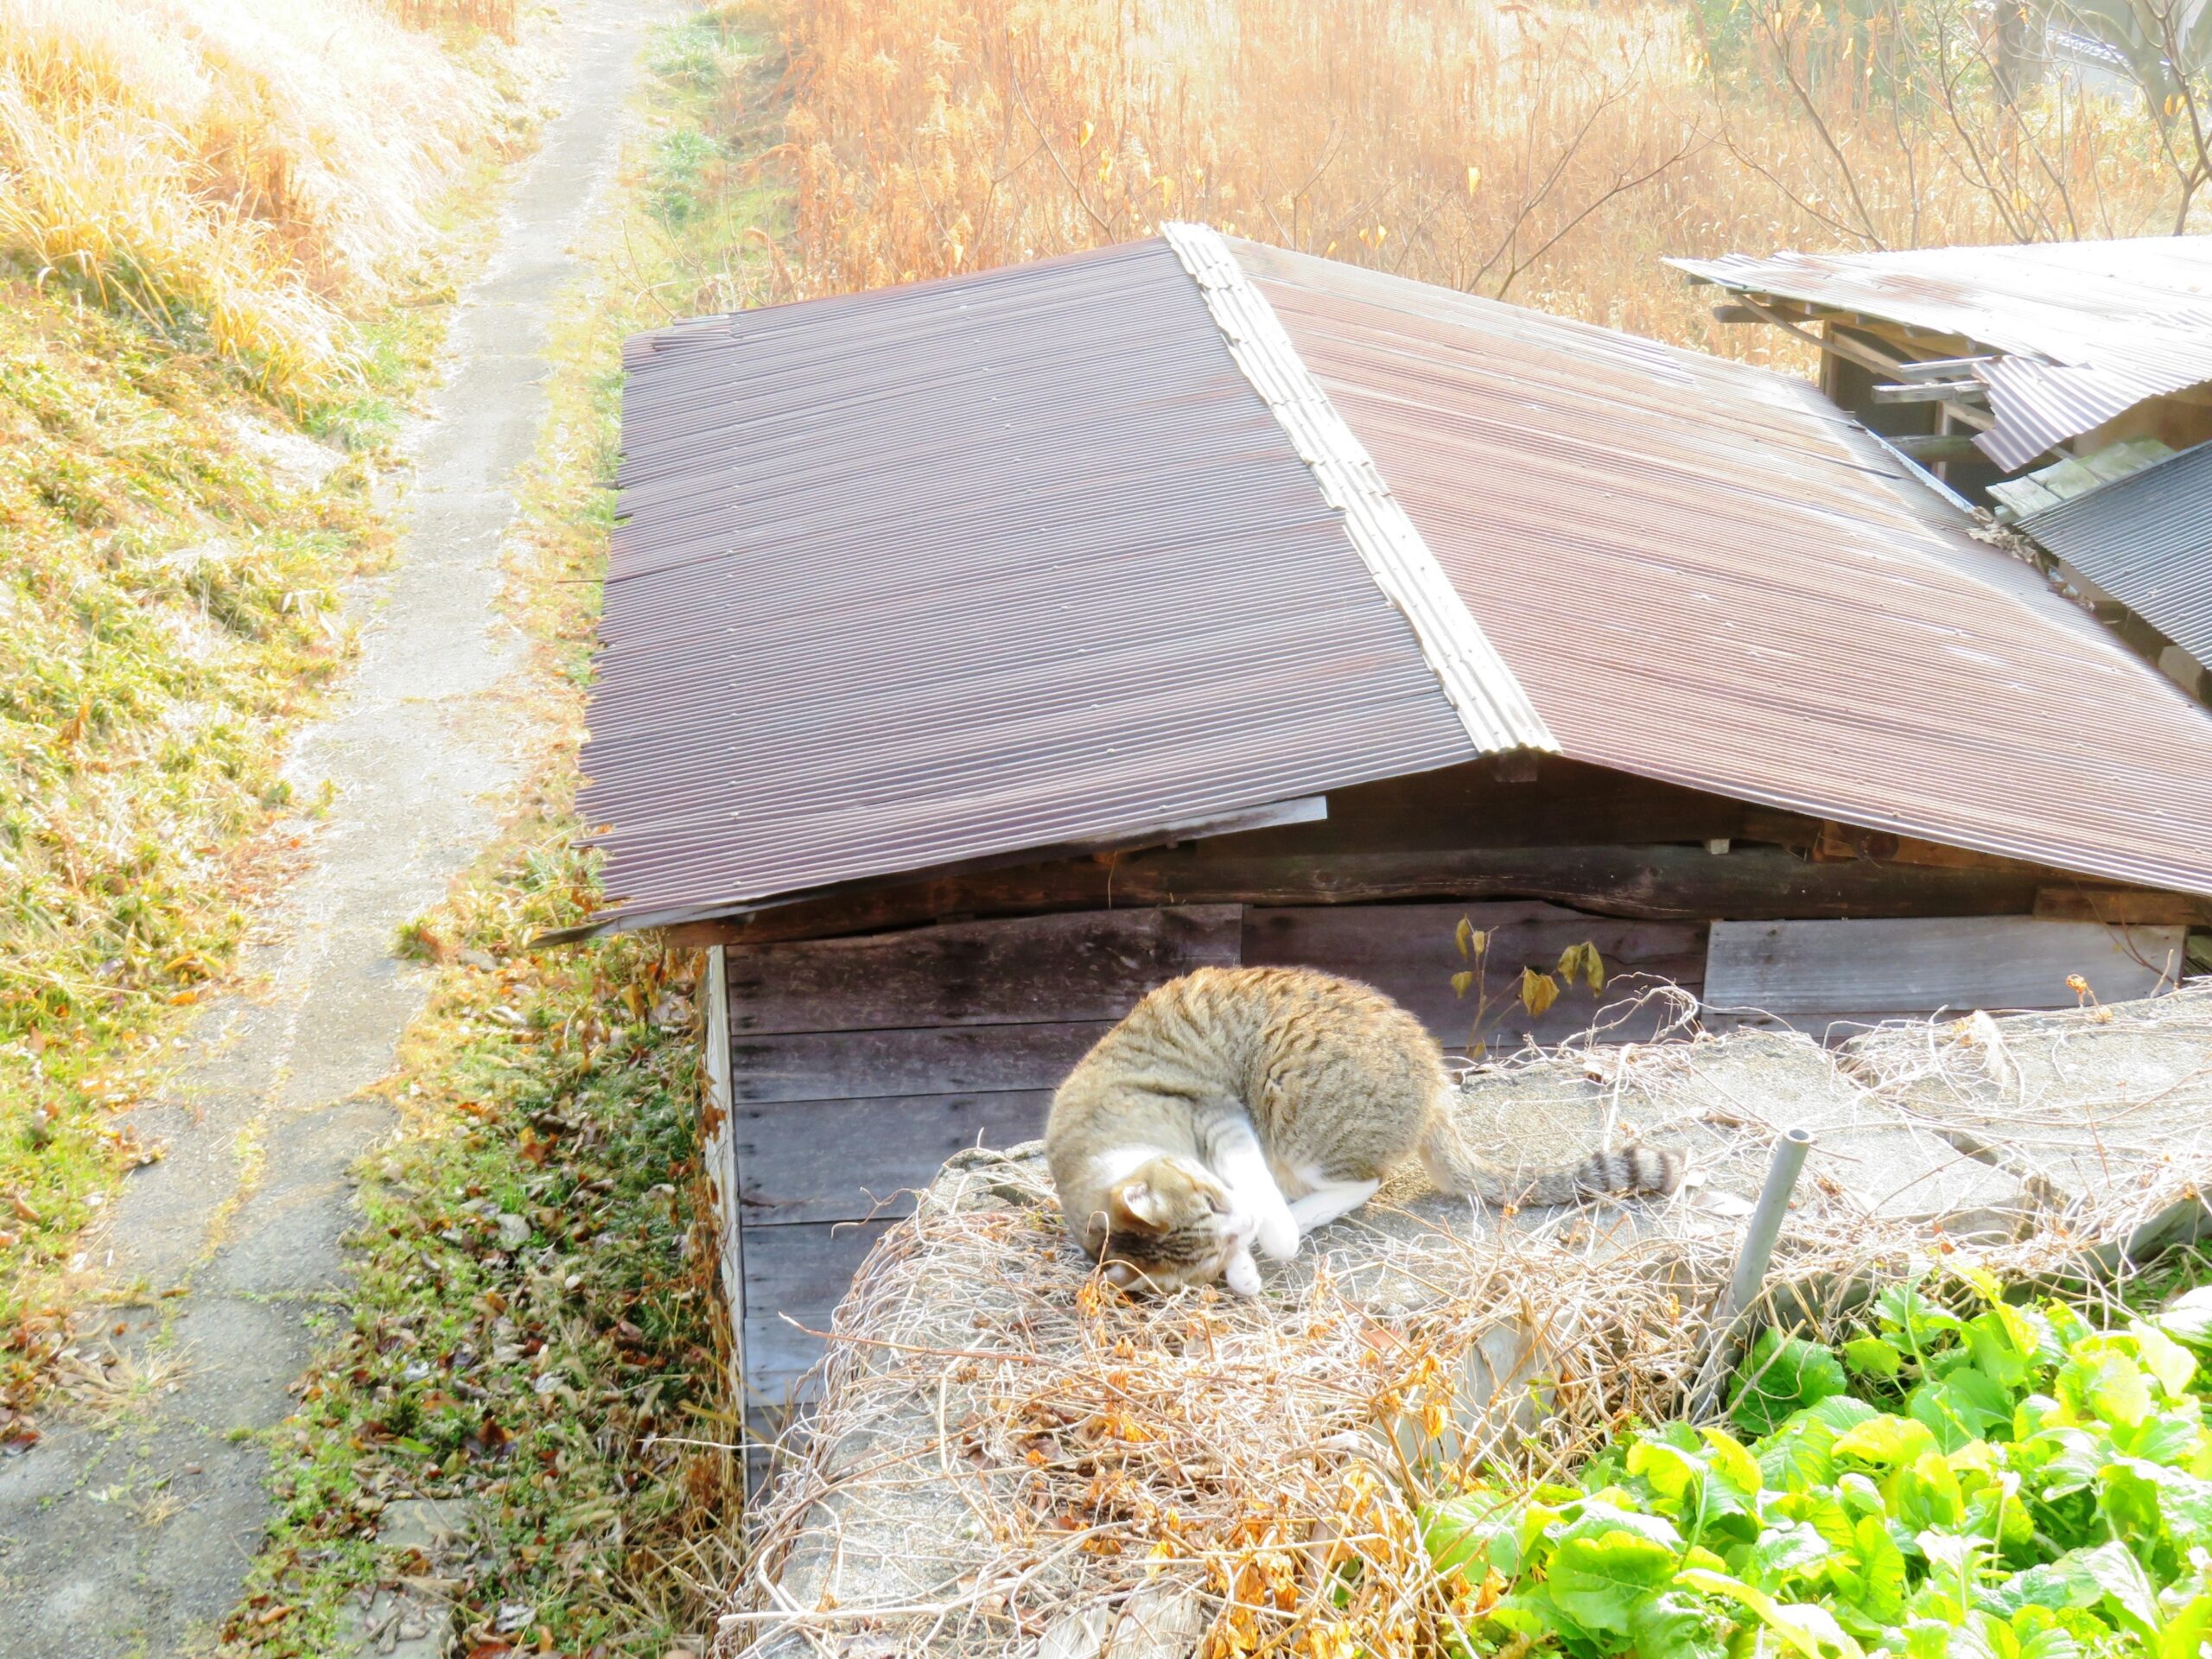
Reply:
x=813, y=1160
x=1409, y=952
x=1815, y=975
x=1033, y=971
x=857, y=1066
x=927, y=1059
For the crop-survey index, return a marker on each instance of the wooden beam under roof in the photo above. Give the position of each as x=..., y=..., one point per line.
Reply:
x=1928, y=447
x=1661, y=883
x=1844, y=345
x=1928, y=391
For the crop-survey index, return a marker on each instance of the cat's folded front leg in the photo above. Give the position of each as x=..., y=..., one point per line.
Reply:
x=1278, y=1235
x=1242, y=1275
x=1244, y=1167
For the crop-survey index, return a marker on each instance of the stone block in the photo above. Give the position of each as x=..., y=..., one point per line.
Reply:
x=2102, y=1114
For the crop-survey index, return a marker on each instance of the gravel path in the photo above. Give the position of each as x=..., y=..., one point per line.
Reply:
x=130, y=1532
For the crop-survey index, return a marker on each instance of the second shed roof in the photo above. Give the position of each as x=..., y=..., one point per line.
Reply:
x=2147, y=541
x=2082, y=331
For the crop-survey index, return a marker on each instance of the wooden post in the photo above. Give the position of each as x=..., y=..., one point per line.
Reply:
x=722, y=1164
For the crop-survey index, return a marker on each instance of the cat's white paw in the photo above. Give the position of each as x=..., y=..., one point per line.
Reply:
x=1242, y=1274
x=1278, y=1235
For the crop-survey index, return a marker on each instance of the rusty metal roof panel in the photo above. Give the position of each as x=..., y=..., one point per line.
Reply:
x=2083, y=330
x=1705, y=573
x=2147, y=540
x=942, y=573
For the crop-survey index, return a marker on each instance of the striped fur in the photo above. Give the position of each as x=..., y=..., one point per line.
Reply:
x=1178, y=1144
x=1620, y=1170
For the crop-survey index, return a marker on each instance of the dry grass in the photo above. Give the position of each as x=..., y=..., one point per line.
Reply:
x=234, y=172
x=1006, y=1444
x=1551, y=154
x=492, y=17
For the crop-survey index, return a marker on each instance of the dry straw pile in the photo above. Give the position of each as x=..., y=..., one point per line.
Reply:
x=242, y=168
x=1011, y=1457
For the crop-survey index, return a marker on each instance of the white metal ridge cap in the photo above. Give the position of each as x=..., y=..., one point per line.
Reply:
x=1482, y=689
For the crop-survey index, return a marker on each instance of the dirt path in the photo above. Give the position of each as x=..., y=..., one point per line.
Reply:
x=128, y=1532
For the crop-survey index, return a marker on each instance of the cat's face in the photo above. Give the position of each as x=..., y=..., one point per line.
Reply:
x=1168, y=1224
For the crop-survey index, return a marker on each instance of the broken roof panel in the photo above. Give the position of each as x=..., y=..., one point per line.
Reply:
x=2084, y=330
x=2147, y=541
x=924, y=576
x=1704, y=572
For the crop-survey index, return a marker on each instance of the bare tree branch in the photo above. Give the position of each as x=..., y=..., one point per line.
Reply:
x=1767, y=24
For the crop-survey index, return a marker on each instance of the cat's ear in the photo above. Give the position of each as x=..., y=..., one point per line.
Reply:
x=1136, y=1207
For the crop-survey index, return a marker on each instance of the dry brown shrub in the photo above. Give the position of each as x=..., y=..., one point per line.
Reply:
x=1551, y=154
x=494, y=16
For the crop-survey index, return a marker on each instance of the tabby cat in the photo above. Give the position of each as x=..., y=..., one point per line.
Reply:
x=1237, y=1107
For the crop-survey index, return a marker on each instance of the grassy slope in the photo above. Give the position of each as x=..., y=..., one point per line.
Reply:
x=169, y=585
x=558, y=1088
x=173, y=550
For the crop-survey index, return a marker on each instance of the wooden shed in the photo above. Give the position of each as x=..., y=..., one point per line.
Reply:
x=981, y=653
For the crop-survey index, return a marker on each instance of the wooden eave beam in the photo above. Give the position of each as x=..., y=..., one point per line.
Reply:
x=1658, y=882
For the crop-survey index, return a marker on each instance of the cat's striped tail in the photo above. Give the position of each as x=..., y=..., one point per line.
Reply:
x=1632, y=1168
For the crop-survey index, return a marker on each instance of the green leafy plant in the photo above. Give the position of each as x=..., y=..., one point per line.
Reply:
x=2010, y=1483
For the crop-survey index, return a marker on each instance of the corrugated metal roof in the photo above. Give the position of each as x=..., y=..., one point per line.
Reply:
x=939, y=573
x=1023, y=560
x=2088, y=329
x=1490, y=701
x=2147, y=541
x=1703, y=572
